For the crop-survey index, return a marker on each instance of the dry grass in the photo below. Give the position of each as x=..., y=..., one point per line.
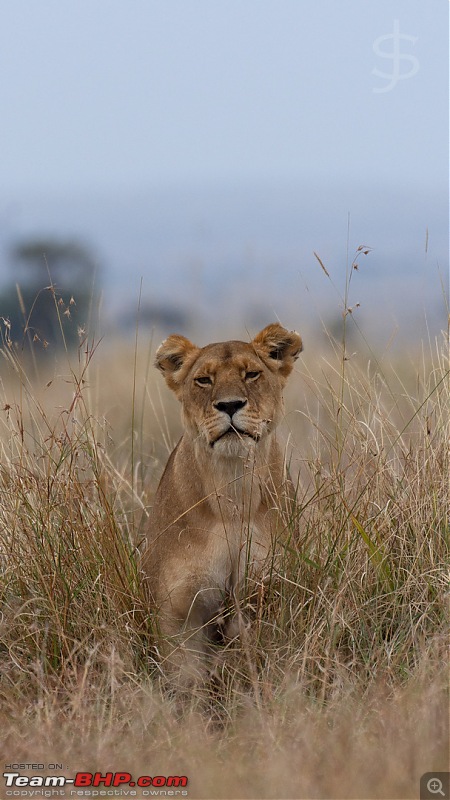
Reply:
x=338, y=690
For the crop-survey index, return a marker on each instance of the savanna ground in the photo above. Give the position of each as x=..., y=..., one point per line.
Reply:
x=339, y=688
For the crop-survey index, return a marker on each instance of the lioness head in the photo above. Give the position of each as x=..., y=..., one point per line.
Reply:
x=231, y=392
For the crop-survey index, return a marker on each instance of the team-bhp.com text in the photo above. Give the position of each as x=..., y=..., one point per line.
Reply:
x=98, y=784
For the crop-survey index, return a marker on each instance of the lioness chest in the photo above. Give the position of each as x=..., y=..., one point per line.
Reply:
x=226, y=544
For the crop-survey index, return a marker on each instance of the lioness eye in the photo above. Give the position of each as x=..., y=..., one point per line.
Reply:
x=205, y=381
x=252, y=376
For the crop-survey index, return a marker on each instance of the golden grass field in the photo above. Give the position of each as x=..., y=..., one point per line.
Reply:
x=340, y=687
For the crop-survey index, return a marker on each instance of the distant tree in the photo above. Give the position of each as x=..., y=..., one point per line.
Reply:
x=52, y=292
x=151, y=315
x=65, y=261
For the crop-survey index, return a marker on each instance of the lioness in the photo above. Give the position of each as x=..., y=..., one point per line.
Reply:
x=216, y=521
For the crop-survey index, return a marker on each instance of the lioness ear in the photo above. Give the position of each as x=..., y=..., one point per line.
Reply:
x=174, y=357
x=278, y=347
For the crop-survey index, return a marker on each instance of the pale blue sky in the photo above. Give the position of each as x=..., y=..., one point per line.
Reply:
x=122, y=93
x=194, y=141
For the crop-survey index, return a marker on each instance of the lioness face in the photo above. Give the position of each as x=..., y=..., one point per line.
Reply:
x=230, y=397
x=231, y=392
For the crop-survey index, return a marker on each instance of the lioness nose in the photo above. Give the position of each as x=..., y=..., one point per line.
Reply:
x=230, y=406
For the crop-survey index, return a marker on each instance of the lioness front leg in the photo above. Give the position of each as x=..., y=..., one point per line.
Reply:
x=187, y=619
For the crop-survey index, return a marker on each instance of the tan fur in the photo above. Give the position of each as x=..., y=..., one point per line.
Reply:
x=215, y=522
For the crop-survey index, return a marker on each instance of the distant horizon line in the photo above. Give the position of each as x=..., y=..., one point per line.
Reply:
x=222, y=183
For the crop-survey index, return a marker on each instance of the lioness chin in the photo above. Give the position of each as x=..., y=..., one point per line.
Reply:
x=217, y=519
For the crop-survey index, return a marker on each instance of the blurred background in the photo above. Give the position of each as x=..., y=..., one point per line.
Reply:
x=190, y=158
